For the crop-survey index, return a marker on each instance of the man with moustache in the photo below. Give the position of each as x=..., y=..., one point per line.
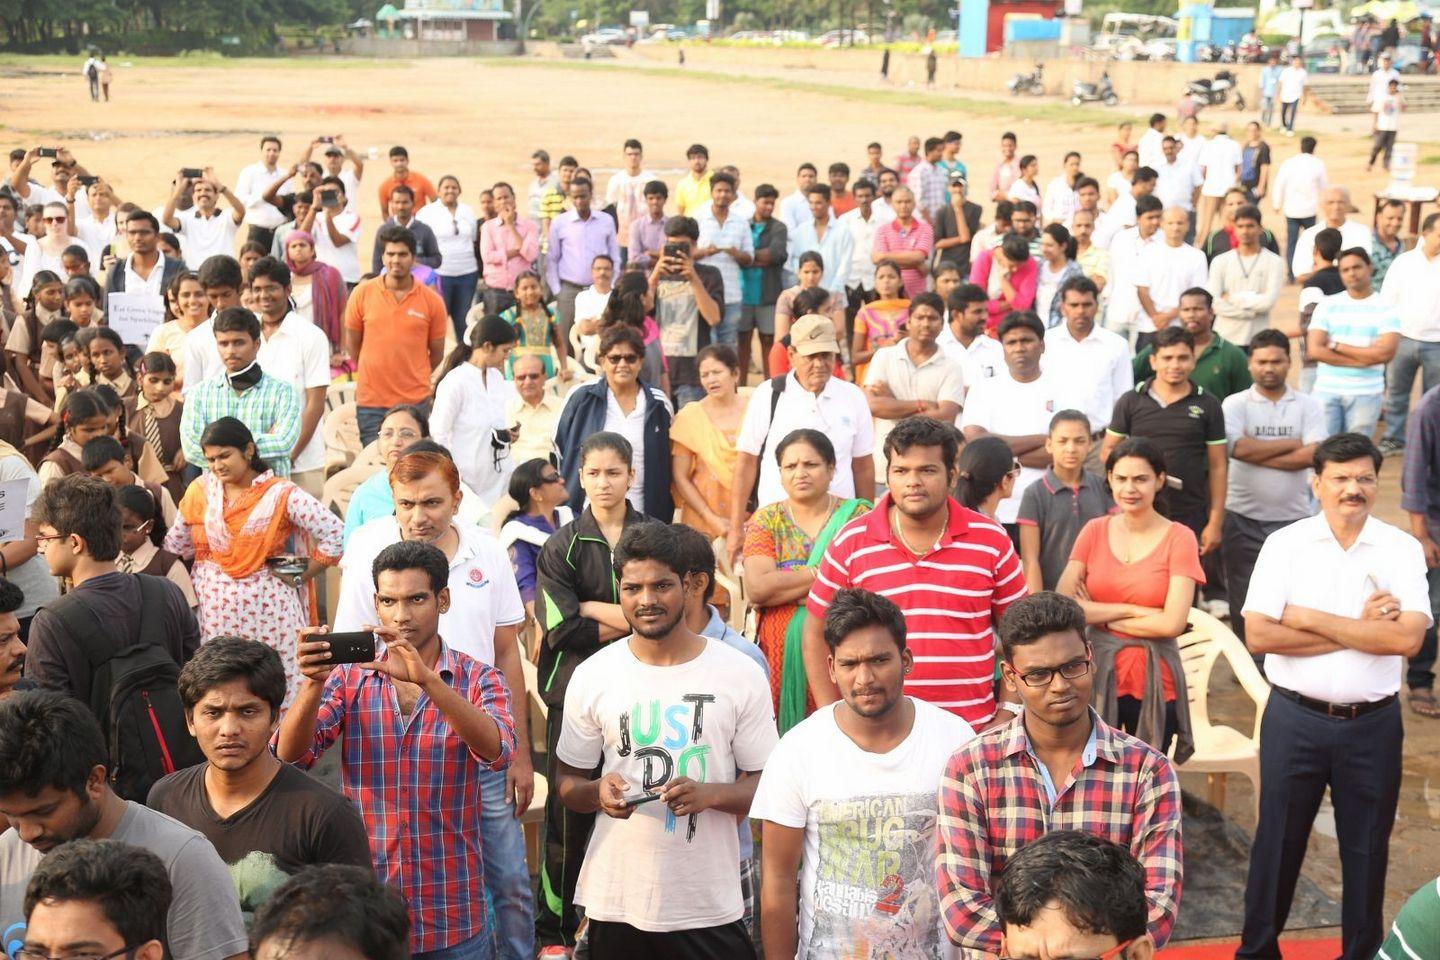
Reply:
x=1057, y=766
x=12, y=644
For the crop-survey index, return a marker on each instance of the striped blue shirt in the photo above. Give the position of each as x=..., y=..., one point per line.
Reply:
x=1357, y=323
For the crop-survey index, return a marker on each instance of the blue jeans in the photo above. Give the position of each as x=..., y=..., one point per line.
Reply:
x=507, y=877
x=726, y=331
x=1267, y=110
x=478, y=947
x=1293, y=228
x=1410, y=356
x=687, y=393
x=1351, y=414
x=458, y=292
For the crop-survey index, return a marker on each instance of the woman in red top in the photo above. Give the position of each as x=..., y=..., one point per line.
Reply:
x=1135, y=573
x=1008, y=275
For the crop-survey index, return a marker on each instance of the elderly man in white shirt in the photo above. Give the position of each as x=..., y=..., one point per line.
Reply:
x=1412, y=285
x=1335, y=206
x=1166, y=270
x=1380, y=79
x=1296, y=194
x=1336, y=602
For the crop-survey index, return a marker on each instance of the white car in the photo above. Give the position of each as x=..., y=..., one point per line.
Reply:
x=842, y=38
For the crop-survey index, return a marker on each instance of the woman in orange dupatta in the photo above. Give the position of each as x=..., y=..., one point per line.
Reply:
x=233, y=521
x=702, y=444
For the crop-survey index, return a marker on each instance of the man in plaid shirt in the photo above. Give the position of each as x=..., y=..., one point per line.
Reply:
x=267, y=405
x=419, y=724
x=1057, y=766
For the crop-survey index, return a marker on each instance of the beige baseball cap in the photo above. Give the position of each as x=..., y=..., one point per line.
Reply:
x=813, y=333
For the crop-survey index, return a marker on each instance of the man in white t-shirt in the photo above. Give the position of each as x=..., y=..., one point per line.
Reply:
x=1179, y=179
x=626, y=192
x=204, y=229
x=1292, y=91
x=1164, y=271
x=336, y=233
x=590, y=305
x=1219, y=161
x=861, y=891
x=668, y=717
x=1017, y=405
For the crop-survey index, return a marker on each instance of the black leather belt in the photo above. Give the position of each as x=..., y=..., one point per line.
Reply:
x=1340, y=711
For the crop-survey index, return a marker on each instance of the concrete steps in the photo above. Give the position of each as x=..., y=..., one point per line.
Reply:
x=1334, y=94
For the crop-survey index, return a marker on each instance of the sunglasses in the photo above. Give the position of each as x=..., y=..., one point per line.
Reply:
x=625, y=358
x=55, y=219
x=556, y=478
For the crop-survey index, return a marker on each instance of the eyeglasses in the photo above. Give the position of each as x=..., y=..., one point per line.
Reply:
x=406, y=434
x=1110, y=954
x=553, y=479
x=54, y=219
x=625, y=358
x=44, y=538
x=529, y=376
x=27, y=953
x=135, y=527
x=1073, y=670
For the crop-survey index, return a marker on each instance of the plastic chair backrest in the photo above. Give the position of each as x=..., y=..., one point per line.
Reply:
x=1207, y=640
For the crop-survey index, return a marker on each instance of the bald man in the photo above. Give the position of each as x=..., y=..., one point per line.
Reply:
x=1335, y=208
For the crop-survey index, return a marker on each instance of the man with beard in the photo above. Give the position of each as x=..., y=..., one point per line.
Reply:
x=12, y=644
x=480, y=621
x=266, y=818
x=1056, y=767
x=813, y=808
x=55, y=787
x=425, y=827
x=1335, y=602
x=670, y=796
x=952, y=570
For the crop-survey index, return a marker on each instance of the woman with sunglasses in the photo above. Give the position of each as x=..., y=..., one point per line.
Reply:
x=1134, y=573
x=539, y=493
x=46, y=251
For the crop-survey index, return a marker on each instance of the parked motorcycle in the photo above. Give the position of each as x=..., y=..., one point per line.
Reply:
x=1206, y=92
x=1103, y=92
x=1032, y=83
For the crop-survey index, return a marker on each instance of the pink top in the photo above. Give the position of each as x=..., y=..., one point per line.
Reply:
x=501, y=270
x=1024, y=280
x=891, y=237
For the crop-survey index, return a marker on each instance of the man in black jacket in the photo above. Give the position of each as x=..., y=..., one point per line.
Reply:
x=402, y=214
x=142, y=232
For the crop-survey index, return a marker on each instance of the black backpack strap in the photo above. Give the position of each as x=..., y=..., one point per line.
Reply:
x=152, y=610
x=84, y=629
x=777, y=387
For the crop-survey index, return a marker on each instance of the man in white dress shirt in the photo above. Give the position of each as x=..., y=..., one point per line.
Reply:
x=1296, y=194
x=1336, y=602
x=1092, y=364
x=1335, y=208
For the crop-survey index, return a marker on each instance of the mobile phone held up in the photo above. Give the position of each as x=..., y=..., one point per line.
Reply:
x=635, y=799
x=330, y=200
x=192, y=173
x=676, y=250
x=357, y=647
x=48, y=153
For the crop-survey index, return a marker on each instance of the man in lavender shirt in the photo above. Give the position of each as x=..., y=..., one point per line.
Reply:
x=577, y=237
x=647, y=232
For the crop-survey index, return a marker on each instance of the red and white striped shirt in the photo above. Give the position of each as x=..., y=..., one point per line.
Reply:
x=951, y=596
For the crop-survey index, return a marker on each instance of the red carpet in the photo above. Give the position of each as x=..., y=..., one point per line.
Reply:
x=1325, y=948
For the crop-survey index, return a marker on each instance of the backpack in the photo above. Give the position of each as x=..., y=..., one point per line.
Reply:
x=777, y=387
x=133, y=692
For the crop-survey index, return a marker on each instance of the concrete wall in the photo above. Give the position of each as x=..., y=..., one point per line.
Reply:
x=413, y=49
x=1135, y=82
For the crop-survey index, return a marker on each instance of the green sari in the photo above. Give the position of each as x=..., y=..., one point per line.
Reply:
x=792, y=676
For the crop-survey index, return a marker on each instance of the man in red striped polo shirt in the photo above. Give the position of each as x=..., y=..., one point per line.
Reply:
x=952, y=571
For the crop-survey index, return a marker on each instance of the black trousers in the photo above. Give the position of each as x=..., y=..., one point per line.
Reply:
x=1213, y=563
x=565, y=838
x=620, y=941
x=1239, y=548
x=1302, y=752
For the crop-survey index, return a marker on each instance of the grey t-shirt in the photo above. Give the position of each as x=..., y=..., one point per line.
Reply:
x=1267, y=493
x=204, y=921
x=1060, y=511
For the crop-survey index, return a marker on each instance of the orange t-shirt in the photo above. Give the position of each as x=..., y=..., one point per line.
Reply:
x=424, y=190
x=395, y=352
x=1144, y=582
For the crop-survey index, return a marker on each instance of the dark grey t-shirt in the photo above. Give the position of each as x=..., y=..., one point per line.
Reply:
x=1061, y=511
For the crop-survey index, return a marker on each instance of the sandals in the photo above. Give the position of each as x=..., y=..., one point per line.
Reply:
x=1423, y=702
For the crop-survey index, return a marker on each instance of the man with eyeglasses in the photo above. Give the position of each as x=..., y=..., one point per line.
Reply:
x=146, y=270
x=535, y=409
x=1057, y=766
x=1336, y=601
x=1071, y=894
x=96, y=900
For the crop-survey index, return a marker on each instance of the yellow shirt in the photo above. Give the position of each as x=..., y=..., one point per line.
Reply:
x=691, y=195
x=537, y=427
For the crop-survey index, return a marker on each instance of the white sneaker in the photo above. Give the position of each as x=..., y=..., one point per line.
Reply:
x=1219, y=609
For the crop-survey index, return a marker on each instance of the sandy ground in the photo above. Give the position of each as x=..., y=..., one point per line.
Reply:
x=481, y=120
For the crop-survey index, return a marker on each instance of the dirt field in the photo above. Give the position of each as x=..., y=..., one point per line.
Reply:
x=481, y=121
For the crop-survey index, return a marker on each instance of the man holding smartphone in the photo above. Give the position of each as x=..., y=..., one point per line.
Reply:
x=453, y=725
x=204, y=230
x=689, y=300
x=336, y=233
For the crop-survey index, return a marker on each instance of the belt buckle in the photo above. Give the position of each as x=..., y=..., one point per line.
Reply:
x=1342, y=711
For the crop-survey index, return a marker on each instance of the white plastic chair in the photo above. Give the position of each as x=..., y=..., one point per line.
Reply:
x=531, y=819
x=1219, y=749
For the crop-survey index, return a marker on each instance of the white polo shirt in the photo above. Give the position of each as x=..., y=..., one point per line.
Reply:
x=840, y=412
x=1095, y=371
x=1304, y=565
x=1008, y=407
x=1412, y=285
x=483, y=594
x=299, y=354
x=203, y=237
x=939, y=378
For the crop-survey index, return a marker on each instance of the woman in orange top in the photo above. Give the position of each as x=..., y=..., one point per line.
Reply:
x=237, y=521
x=1135, y=573
x=881, y=322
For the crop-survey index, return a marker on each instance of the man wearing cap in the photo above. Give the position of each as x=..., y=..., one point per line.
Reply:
x=956, y=224
x=810, y=397
x=333, y=159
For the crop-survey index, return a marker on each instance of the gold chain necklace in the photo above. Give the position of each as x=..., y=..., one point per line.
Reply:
x=895, y=524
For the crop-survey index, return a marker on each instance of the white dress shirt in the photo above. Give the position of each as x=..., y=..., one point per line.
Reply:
x=862, y=240
x=1413, y=285
x=298, y=353
x=1296, y=191
x=1304, y=565
x=983, y=359
x=455, y=235
x=1095, y=371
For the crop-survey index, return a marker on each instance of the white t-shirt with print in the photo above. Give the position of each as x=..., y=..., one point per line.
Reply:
x=703, y=719
x=865, y=889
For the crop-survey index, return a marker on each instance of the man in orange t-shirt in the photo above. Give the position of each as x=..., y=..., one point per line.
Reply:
x=395, y=332
x=401, y=173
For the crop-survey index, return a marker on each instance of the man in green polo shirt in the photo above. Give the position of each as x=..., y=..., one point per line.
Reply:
x=1221, y=367
x=1416, y=931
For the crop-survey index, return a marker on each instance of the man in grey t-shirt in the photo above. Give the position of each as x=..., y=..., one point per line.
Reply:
x=54, y=787
x=1272, y=431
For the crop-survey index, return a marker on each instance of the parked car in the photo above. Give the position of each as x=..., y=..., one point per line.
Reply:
x=842, y=38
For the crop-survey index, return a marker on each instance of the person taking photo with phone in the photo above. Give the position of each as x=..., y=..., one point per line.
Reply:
x=670, y=802
x=419, y=706
x=204, y=229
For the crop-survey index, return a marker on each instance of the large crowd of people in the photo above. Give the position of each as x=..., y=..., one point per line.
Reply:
x=886, y=496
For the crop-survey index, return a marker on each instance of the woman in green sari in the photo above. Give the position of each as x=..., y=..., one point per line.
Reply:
x=784, y=542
